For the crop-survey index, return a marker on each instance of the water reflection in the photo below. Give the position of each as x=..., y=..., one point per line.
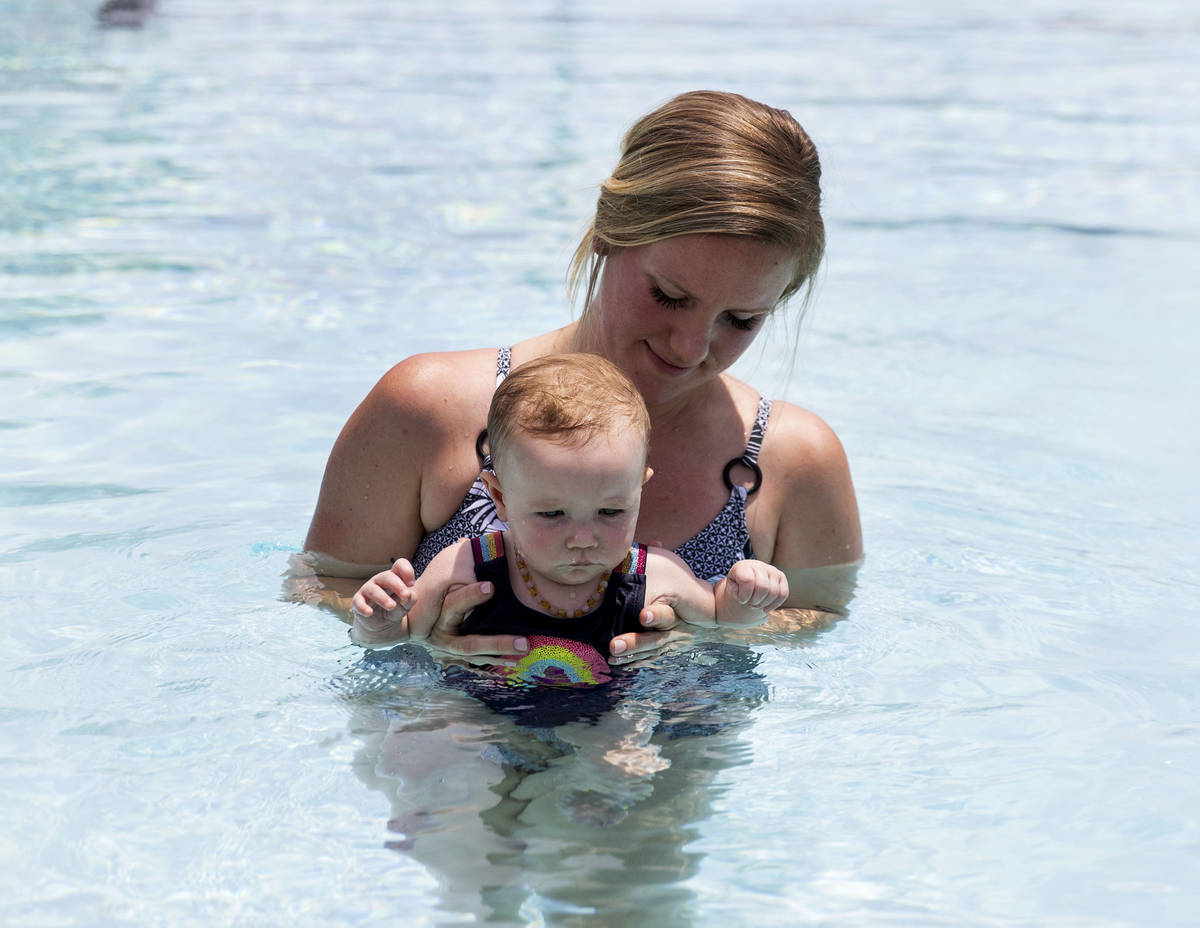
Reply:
x=592, y=816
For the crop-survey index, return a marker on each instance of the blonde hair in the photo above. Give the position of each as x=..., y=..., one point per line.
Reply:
x=709, y=162
x=566, y=398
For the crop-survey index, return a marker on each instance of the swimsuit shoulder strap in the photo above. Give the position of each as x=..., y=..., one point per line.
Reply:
x=489, y=547
x=503, y=363
x=635, y=560
x=757, y=431
x=503, y=366
x=749, y=457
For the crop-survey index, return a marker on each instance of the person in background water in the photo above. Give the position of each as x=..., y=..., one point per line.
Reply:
x=129, y=13
x=569, y=437
x=708, y=225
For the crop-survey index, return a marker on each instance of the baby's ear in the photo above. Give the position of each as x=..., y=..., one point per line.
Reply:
x=496, y=492
x=649, y=474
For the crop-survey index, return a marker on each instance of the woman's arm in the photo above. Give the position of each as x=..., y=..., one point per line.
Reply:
x=403, y=461
x=805, y=518
x=370, y=504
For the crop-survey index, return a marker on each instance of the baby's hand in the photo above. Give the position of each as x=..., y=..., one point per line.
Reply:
x=749, y=592
x=382, y=604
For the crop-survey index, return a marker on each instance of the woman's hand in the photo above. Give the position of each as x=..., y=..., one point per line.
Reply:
x=459, y=601
x=658, y=618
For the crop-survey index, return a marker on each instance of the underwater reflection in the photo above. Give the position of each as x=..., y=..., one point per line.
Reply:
x=591, y=815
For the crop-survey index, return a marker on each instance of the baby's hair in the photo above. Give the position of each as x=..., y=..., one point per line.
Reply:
x=566, y=398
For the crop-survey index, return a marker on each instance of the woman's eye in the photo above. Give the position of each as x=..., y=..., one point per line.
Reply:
x=612, y=513
x=662, y=299
x=745, y=323
x=550, y=514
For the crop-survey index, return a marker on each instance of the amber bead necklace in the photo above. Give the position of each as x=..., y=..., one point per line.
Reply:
x=589, y=605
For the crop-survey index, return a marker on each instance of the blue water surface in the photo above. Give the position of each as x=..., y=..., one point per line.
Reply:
x=220, y=226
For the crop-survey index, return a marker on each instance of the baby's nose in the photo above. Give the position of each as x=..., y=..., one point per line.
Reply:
x=582, y=537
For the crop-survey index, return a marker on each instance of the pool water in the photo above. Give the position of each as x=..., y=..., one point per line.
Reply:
x=219, y=228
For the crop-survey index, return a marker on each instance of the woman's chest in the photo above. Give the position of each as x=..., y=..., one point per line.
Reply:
x=677, y=502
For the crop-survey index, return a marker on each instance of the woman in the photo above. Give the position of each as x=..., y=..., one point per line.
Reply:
x=709, y=223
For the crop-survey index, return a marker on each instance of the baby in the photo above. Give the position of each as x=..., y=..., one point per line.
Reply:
x=569, y=439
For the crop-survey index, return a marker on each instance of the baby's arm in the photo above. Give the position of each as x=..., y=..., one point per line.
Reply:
x=671, y=582
x=750, y=591
x=393, y=606
x=744, y=597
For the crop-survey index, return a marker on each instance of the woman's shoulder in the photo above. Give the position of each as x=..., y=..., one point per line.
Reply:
x=431, y=386
x=800, y=439
x=421, y=375
x=807, y=484
x=794, y=436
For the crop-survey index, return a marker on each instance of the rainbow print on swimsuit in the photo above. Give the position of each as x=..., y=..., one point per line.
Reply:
x=560, y=662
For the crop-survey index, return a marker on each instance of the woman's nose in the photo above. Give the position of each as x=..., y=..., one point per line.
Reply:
x=689, y=339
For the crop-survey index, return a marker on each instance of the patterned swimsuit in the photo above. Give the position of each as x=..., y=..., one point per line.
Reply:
x=710, y=552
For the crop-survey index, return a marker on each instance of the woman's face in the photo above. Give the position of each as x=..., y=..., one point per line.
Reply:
x=674, y=314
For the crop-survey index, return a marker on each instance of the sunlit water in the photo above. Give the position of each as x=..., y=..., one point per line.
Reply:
x=218, y=229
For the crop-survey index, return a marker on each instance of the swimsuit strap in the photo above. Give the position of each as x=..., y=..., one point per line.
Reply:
x=503, y=366
x=635, y=561
x=503, y=363
x=489, y=547
x=754, y=445
x=749, y=457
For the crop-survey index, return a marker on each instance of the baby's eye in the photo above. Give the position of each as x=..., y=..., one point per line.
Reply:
x=612, y=513
x=662, y=299
x=550, y=514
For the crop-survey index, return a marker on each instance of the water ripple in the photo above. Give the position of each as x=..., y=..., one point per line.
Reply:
x=45, y=494
x=1015, y=225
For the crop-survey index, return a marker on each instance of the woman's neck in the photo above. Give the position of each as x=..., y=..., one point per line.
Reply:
x=556, y=341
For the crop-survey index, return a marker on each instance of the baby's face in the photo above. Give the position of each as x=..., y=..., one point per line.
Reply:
x=572, y=509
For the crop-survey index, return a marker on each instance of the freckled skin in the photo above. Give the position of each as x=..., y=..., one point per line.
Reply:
x=672, y=315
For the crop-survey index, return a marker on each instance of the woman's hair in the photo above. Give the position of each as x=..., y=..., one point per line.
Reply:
x=709, y=162
x=566, y=398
